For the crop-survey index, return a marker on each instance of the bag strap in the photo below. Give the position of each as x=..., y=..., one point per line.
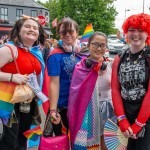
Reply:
x=13, y=58
x=46, y=121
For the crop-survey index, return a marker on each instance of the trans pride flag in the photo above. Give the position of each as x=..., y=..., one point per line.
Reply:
x=87, y=33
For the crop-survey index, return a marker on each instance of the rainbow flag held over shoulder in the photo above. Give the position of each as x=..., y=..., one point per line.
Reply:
x=33, y=134
x=87, y=33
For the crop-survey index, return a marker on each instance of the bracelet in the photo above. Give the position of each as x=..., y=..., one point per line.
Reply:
x=139, y=123
x=120, y=118
x=11, y=78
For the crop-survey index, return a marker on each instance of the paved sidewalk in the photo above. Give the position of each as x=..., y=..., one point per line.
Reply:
x=42, y=125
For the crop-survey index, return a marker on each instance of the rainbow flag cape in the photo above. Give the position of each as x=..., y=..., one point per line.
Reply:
x=87, y=33
x=33, y=134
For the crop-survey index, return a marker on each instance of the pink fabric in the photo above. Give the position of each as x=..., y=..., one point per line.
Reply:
x=81, y=89
x=46, y=81
x=54, y=143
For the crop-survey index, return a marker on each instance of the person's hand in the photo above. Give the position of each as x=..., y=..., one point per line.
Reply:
x=20, y=79
x=129, y=133
x=55, y=117
x=136, y=129
x=124, y=125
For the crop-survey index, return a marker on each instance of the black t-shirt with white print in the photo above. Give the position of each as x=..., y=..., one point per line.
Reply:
x=133, y=79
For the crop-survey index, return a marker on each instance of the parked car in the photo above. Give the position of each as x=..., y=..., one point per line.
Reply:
x=116, y=46
x=112, y=37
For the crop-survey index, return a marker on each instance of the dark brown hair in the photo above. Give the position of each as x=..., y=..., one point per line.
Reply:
x=95, y=34
x=67, y=23
x=14, y=33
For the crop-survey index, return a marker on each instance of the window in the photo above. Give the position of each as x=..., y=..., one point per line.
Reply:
x=47, y=17
x=19, y=13
x=33, y=13
x=4, y=13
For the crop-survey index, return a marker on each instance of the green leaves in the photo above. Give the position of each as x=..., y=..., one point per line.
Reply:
x=101, y=13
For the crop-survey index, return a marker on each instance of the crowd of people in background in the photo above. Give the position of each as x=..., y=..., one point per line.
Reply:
x=85, y=88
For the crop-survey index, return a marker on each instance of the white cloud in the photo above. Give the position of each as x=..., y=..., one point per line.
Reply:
x=135, y=7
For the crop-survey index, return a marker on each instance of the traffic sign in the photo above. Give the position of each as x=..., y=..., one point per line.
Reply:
x=42, y=20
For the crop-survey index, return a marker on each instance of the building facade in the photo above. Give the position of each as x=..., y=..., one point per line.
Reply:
x=12, y=10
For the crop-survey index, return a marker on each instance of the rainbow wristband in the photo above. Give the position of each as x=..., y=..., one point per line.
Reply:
x=120, y=118
x=139, y=123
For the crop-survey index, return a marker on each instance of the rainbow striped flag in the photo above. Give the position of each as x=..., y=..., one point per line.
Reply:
x=6, y=93
x=87, y=33
x=33, y=134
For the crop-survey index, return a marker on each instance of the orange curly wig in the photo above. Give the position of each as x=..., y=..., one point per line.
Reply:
x=138, y=21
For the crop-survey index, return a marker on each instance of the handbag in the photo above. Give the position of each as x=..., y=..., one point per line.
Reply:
x=22, y=93
x=50, y=142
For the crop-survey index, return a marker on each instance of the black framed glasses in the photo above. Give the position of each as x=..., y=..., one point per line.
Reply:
x=97, y=45
x=64, y=32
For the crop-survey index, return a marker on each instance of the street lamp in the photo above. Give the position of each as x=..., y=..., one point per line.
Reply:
x=143, y=5
x=125, y=13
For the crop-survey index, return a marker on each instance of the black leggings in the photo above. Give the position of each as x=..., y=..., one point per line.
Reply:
x=13, y=138
x=57, y=128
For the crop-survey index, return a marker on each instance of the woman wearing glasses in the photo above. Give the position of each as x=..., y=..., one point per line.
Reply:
x=60, y=65
x=90, y=102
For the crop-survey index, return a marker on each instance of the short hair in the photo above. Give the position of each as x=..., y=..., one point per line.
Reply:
x=138, y=21
x=67, y=23
x=14, y=33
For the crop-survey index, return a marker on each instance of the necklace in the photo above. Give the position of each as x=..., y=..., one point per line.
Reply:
x=138, y=57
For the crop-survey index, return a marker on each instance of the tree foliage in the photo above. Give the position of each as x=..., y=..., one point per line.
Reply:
x=101, y=13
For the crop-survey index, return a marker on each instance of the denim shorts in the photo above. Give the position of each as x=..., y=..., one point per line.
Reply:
x=106, y=112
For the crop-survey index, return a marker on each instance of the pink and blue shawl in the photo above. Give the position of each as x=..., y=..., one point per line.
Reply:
x=81, y=106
